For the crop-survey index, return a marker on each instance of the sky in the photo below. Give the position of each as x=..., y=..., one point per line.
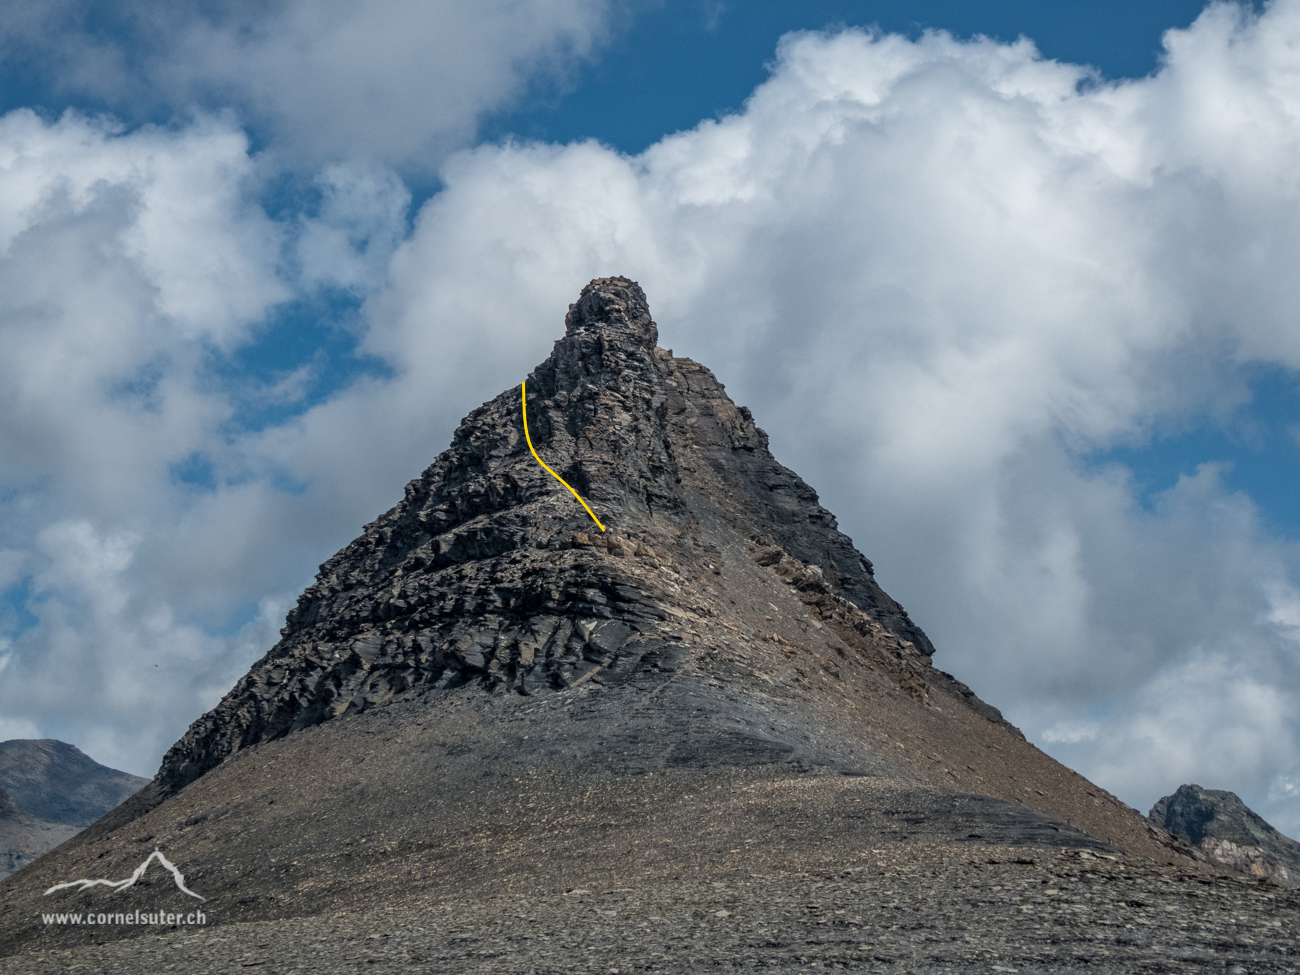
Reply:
x=1012, y=285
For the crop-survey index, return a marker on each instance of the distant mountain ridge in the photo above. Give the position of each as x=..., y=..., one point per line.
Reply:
x=49, y=791
x=53, y=780
x=24, y=837
x=1228, y=831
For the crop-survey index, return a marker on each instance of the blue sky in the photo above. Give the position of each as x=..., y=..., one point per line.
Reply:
x=1021, y=310
x=1255, y=444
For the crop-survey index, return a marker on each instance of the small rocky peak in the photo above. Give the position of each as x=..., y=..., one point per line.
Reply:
x=8, y=808
x=1195, y=813
x=608, y=345
x=616, y=306
x=1229, y=832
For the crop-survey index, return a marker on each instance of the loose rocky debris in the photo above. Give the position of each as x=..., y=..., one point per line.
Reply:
x=24, y=837
x=48, y=791
x=988, y=910
x=891, y=655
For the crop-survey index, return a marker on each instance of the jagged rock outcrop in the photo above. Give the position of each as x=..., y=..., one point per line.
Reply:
x=1229, y=832
x=489, y=572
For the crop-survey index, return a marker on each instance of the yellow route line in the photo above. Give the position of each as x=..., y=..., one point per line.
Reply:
x=523, y=389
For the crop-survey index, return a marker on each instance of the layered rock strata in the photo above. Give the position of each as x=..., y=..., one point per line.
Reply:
x=489, y=573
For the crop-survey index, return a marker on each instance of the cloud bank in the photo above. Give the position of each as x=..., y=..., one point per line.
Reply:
x=378, y=80
x=947, y=277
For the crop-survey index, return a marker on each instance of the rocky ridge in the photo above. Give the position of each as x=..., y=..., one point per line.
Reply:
x=1226, y=830
x=59, y=782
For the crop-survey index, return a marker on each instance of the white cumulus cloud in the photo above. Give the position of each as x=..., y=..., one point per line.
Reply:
x=393, y=81
x=126, y=261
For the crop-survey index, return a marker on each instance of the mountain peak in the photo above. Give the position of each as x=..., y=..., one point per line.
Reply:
x=56, y=781
x=490, y=574
x=484, y=691
x=616, y=306
x=1229, y=832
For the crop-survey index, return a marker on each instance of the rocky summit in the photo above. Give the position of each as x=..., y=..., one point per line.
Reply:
x=489, y=573
x=1228, y=831
x=497, y=736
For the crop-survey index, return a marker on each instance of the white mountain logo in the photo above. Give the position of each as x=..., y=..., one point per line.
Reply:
x=130, y=881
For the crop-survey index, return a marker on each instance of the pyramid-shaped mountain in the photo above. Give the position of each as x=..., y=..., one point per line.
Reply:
x=492, y=690
x=713, y=559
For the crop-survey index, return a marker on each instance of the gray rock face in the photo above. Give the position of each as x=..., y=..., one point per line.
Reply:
x=24, y=837
x=489, y=573
x=1229, y=832
x=55, y=781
